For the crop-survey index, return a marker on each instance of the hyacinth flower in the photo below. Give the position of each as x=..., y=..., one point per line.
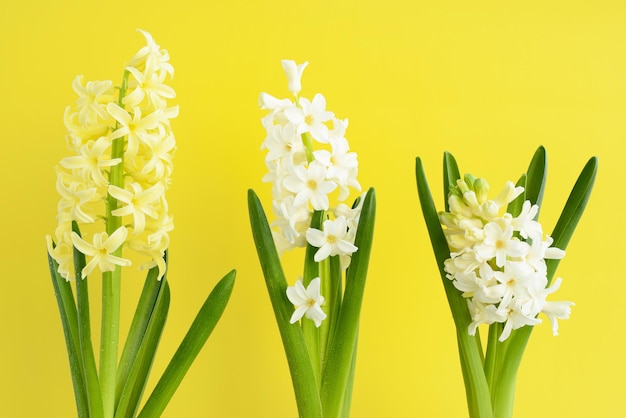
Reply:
x=497, y=266
x=113, y=213
x=312, y=172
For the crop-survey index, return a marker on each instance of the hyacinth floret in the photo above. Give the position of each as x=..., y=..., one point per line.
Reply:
x=497, y=261
x=138, y=114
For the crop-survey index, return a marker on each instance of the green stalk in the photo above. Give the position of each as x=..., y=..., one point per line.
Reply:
x=501, y=375
x=111, y=282
x=311, y=332
x=325, y=290
x=111, y=288
x=504, y=391
x=491, y=357
x=308, y=146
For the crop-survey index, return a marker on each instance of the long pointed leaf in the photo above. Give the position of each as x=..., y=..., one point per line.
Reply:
x=562, y=234
x=341, y=351
x=458, y=305
x=347, y=398
x=84, y=334
x=470, y=350
x=143, y=313
x=515, y=207
x=135, y=381
x=199, y=332
x=536, y=177
x=573, y=210
x=69, y=320
x=450, y=175
x=300, y=367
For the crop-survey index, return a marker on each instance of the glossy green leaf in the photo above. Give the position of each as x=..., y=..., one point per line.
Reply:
x=199, y=332
x=69, y=320
x=92, y=383
x=515, y=207
x=135, y=382
x=450, y=175
x=573, y=211
x=458, y=305
x=562, y=234
x=347, y=398
x=342, y=346
x=143, y=313
x=536, y=177
x=333, y=301
x=470, y=349
x=300, y=366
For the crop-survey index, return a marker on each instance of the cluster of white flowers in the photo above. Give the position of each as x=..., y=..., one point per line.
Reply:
x=126, y=129
x=303, y=177
x=497, y=260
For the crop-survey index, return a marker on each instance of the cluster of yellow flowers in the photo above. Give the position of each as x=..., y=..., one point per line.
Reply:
x=123, y=145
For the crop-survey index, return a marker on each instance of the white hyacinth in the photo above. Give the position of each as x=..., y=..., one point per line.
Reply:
x=308, y=160
x=311, y=167
x=497, y=260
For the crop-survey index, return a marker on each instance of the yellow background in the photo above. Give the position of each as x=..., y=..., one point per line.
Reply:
x=487, y=80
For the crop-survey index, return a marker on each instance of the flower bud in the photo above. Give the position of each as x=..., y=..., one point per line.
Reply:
x=294, y=74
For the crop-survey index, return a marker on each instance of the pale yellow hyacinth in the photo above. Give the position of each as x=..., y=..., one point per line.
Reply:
x=137, y=113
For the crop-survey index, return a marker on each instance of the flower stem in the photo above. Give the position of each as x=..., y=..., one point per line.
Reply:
x=324, y=329
x=308, y=146
x=310, y=331
x=494, y=357
x=503, y=394
x=111, y=282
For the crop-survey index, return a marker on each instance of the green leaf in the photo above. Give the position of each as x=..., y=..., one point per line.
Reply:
x=199, y=332
x=69, y=320
x=134, y=383
x=300, y=366
x=458, y=305
x=470, y=350
x=450, y=175
x=94, y=395
x=347, y=399
x=562, y=234
x=573, y=211
x=343, y=344
x=311, y=268
x=143, y=313
x=536, y=177
x=515, y=207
